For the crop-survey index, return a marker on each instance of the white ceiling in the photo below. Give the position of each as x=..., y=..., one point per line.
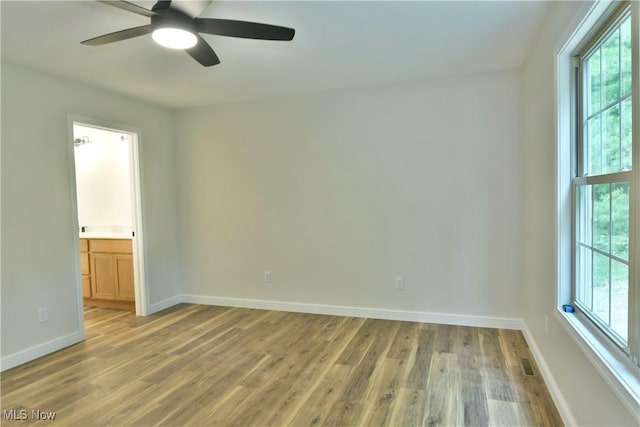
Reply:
x=338, y=45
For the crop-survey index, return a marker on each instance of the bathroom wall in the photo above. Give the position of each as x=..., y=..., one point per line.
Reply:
x=103, y=180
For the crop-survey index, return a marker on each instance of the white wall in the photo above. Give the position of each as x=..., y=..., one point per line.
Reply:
x=37, y=233
x=588, y=397
x=103, y=180
x=337, y=194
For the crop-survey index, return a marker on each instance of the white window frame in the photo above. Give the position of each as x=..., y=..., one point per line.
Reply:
x=620, y=371
x=619, y=14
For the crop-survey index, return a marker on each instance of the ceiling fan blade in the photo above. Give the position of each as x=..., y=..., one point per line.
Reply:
x=243, y=29
x=161, y=4
x=203, y=53
x=129, y=7
x=118, y=35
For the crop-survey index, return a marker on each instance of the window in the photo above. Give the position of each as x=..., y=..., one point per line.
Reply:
x=598, y=191
x=603, y=182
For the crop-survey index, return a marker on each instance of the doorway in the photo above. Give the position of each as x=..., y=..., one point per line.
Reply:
x=108, y=216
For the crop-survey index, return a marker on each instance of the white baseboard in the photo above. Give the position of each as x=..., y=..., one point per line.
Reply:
x=164, y=304
x=40, y=350
x=563, y=407
x=373, y=313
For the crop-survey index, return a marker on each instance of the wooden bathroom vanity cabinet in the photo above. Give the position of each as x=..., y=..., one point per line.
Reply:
x=107, y=272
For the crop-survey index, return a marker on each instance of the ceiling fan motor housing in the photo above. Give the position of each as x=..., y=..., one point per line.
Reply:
x=173, y=18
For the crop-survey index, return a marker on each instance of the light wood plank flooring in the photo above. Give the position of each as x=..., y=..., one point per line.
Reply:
x=201, y=365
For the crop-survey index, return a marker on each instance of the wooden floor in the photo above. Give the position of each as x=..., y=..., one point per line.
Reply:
x=203, y=365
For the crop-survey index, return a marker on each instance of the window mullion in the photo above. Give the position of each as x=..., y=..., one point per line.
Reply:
x=620, y=99
x=593, y=261
x=606, y=107
x=578, y=167
x=611, y=251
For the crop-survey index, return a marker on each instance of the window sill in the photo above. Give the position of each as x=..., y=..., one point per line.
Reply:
x=614, y=366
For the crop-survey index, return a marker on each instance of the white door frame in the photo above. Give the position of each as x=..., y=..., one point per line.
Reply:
x=139, y=260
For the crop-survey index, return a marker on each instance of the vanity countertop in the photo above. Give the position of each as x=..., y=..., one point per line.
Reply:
x=105, y=235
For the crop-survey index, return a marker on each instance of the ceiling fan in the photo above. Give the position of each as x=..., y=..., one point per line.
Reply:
x=175, y=29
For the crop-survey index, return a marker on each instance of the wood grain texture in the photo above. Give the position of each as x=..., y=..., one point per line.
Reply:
x=198, y=365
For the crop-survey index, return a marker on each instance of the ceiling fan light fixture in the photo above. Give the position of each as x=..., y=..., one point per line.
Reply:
x=174, y=38
x=174, y=29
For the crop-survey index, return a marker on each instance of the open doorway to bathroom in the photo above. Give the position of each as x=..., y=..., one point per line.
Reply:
x=108, y=205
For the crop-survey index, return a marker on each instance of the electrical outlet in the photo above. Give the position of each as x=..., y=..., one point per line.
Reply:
x=400, y=283
x=267, y=276
x=42, y=315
